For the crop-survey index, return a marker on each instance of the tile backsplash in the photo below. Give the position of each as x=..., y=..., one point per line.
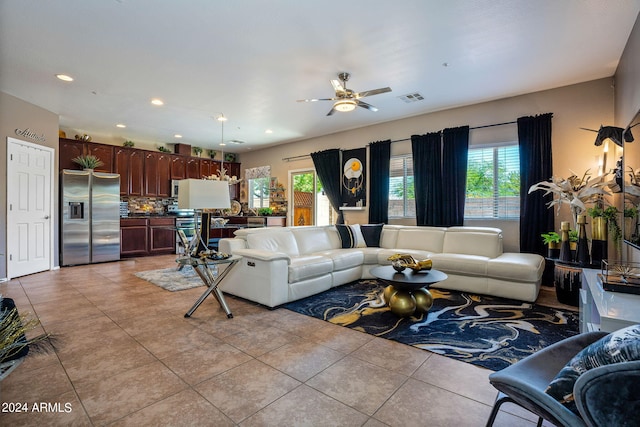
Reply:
x=148, y=205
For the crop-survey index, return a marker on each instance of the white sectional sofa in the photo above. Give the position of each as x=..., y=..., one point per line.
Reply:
x=285, y=264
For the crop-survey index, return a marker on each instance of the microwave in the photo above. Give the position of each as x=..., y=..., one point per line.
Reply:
x=174, y=187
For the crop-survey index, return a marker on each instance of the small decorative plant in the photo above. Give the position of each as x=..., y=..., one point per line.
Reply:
x=163, y=149
x=197, y=151
x=212, y=154
x=265, y=211
x=88, y=161
x=13, y=328
x=550, y=238
x=128, y=143
x=573, y=236
x=631, y=212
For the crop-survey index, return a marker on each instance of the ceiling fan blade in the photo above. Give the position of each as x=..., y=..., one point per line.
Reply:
x=365, y=105
x=337, y=86
x=372, y=92
x=330, y=113
x=316, y=99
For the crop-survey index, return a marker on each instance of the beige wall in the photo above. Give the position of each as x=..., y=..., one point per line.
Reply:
x=18, y=114
x=583, y=105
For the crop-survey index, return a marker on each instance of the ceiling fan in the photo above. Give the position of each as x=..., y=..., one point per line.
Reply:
x=347, y=99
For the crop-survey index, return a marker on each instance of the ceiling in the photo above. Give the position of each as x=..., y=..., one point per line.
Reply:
x=252, y=59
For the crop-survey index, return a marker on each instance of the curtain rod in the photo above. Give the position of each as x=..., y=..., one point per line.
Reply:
x=305, y=156
x=471, y=128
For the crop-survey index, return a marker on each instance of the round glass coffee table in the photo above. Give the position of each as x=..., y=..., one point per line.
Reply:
x=407, y=291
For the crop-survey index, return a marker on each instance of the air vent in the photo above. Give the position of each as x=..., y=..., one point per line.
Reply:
x=411, y=97
x=236, y=141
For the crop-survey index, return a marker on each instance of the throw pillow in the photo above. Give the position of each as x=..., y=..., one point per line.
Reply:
x=351, y=236
x=619, y=346
x=371, y=234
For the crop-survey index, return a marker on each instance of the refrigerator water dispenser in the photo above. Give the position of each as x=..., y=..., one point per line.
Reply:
x=76, y=210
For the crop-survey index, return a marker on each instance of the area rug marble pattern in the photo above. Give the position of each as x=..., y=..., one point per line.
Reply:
x=486, y=331
x=172, y=279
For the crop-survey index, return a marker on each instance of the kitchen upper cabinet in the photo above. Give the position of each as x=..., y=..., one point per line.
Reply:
x=206, y=167
x=102, y=152
x=178, y=167
x=69, y=149
x=129, y=163
x=193, y=168
x=151, y=174
x=157, y=172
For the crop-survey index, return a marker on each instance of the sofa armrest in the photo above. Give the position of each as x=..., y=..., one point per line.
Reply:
x=230, y=245
x=262, y=255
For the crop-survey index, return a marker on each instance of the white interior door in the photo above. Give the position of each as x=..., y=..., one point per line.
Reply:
x=29, y=208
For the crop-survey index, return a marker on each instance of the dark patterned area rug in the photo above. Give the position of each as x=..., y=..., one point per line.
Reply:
x=486, y=331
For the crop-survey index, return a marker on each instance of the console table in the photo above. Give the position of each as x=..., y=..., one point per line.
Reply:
x=603, y=310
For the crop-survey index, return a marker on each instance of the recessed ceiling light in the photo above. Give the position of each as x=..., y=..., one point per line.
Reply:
x=221, y=118
x=177, y=135
x=157, y=101
x=120, y=125
x=268, y=131
x=64, y=77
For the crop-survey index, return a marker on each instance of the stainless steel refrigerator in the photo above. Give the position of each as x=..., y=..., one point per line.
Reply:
x=90, y=219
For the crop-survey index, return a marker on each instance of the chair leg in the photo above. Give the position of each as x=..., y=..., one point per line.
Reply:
x=500, y=399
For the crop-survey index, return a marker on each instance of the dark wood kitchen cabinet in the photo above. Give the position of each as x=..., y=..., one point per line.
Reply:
x=193, y=168
x=157, y=174
x=178, y=167
x=162, y=236
x=133, y=237
x=129, y=163
x=147, y=236
x=69, y=149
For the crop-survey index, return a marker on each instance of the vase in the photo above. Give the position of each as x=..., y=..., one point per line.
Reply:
x=553, y=250
x=582, y=249
x=565, y=245
x=599, y=249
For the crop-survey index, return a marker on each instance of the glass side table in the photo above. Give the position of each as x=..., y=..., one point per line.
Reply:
x=209, y=271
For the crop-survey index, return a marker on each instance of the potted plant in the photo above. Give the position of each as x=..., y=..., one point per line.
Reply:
x=552, y=240
x=197, y=151
x=88, y=161
x=128, y=143
x=265, y=211
x=212, y=154
x=14, y=345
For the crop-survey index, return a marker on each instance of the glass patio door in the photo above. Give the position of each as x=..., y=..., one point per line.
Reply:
x=309, y=205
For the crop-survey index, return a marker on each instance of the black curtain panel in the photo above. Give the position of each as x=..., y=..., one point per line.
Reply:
x=427, y=172
x=534, y=139
x=328, y=167
x=455, y=150
x=379, y=161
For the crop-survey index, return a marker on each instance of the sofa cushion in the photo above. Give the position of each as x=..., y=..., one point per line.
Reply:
x=312, y=239
x=473, y=242
x=428, y=239
x=622, y=345
x=307, y=266
x=343, y=259
x=371, y=234
x=351, y=236
x=275, y=241
x=519, y=267
x=473, y=265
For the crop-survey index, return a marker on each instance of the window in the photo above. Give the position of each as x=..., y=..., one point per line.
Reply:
x=493, y=182
x=259, y=192
x=402, y=202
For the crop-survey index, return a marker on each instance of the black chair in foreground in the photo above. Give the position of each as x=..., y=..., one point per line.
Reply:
x=525, y=382
x=599, y=383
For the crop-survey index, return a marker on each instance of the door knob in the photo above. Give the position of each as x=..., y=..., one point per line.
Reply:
x=46, y=217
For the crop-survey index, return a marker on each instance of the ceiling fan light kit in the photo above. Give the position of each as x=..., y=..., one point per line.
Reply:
x=345, y=105
x=346, y=99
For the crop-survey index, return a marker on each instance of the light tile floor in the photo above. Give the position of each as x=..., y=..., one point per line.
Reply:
x=127, y=357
